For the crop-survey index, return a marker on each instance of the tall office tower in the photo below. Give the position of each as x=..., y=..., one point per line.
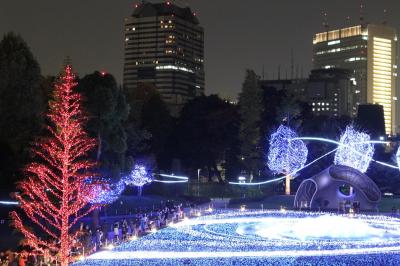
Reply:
x=164, y=46
x=370, y=51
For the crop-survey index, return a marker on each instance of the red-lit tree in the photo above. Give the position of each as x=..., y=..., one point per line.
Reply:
x=55, y=193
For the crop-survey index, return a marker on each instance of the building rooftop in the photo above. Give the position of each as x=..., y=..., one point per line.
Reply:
x=147, y=9
x=347, y=32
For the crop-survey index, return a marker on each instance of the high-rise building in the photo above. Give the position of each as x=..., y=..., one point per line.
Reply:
x=370, y=51
x=327, y=91
x=164, y=46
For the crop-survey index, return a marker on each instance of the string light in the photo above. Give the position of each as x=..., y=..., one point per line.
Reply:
x=263, y=237
x=354, y=150
x=55, y=195
x=107, y=193
x=138, y=177
x=285, y=154
x=353, y=147
x=398, y=157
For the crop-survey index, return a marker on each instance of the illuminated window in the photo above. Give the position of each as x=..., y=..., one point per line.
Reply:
x=332, y=35
x=382, y=78
x=351, y=31
x=334, y=42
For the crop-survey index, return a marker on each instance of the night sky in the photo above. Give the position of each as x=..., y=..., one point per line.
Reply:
x=238, y=34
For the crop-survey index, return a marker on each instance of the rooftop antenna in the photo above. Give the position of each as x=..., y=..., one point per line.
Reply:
x=385, y=16
x=301, y=71
x=67, y=61
x=362, y=6
x=279, y=72
x=325, y=23
x=291, y=63
x=348, y=21
x=263, y=72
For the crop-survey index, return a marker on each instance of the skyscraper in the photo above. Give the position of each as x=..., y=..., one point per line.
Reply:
x=164, y=46
x=370, y=51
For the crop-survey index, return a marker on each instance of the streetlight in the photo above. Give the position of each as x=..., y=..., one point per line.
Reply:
x=198, y=182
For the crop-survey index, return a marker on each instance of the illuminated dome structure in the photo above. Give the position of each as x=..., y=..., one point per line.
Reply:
x=335, y=185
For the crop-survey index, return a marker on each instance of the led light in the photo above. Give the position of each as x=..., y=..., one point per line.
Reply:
x=9, y=202
x=286, y=154
x=261, y=238
x=398, y=157
x=351, y=152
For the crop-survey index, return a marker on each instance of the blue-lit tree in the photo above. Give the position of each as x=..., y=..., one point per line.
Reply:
x=286, y=154
x=138, y=178
x=107, y=193
x=355, y=150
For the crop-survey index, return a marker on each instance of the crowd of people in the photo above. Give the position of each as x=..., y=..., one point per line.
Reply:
x=111, y=231
x=114, y=231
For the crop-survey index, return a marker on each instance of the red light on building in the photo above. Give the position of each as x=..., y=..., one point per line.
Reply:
x=103, y=73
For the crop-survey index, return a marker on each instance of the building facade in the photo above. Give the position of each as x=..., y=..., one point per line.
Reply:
x=370, y=51
x=164, y=46
x=328, y=91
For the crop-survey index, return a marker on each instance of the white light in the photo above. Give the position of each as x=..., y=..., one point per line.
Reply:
x=9, y=202
x=334, y=42
x=261, y=234
x=174, y=68
x=354, y=150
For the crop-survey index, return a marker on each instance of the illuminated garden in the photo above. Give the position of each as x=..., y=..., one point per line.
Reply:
x=152, y=165
x=281, y=237
x=257, y=237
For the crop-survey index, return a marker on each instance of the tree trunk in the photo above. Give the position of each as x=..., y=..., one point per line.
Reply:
x=218, y=173
x=98, y=147
x=287, y=185
x=95, y=216
x=209, y=173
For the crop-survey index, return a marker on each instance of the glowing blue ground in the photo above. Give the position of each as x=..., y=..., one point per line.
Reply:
x=264, y=238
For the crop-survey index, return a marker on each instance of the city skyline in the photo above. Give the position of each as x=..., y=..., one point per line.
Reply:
x=254, y=34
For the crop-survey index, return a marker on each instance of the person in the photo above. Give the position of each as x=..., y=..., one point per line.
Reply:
x=142, y=224
x=116, y=231
x=21, y=260
x=124, y=229
x=99, y=236
x=13, y=259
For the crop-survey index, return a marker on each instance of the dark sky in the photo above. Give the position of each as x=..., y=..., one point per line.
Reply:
x=239, y=34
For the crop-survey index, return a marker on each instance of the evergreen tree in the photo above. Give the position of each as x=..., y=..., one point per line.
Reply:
x=22, y=104
x=206, y=135
x=105, y=103
x=250, y=110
